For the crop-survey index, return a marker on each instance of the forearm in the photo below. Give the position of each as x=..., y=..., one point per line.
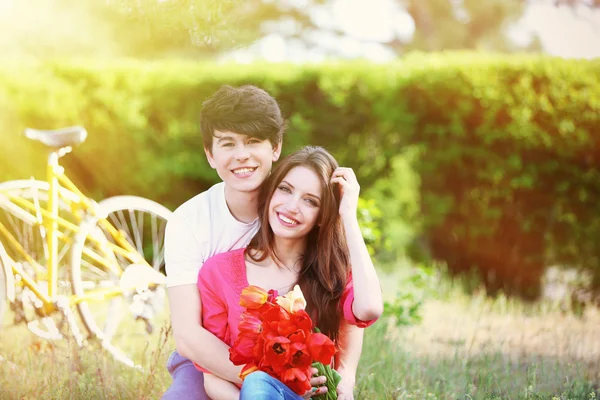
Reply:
x=192, y=340
x=220, y=389
x=368, y=301
x=350, y=350
x=209, y=352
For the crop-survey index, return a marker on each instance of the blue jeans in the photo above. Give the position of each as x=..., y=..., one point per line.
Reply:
x=262, y=386
x=188, y=382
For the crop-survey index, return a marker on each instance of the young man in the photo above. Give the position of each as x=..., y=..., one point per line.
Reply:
x=242, y=132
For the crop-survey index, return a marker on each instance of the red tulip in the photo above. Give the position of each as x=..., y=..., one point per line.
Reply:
x=321, y=348
x=242, y=350
x=277, y=352
x=278, y=342
x=273, y=317
x=297, y=379
x=300, y=357
x=302, y=321
x=250, y=324
x=298, y=337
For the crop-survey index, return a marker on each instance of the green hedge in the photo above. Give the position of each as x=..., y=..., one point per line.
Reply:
x=509, y=167
x=486, y=162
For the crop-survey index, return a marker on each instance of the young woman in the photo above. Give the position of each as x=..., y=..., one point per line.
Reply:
x=309, y=236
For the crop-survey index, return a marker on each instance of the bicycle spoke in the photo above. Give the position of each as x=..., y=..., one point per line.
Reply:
x=114, y=320
x=115, y=310
x=136, y=233
x=116, y=222
x=91, y=268
x=140, y=227
x=157, y=244
x=26, y=228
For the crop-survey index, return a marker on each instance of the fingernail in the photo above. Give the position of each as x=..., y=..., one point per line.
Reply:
x=314, y=389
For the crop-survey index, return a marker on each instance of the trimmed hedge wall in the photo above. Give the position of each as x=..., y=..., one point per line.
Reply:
x=493, y=160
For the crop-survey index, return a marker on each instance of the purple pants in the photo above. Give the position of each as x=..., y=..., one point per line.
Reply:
x=188, y=382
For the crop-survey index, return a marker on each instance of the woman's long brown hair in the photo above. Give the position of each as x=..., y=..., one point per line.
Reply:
x=326, y=262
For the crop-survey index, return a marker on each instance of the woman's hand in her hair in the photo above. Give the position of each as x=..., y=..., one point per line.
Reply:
x=349, y=190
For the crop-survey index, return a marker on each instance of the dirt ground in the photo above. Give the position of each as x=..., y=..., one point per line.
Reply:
x=480, y=326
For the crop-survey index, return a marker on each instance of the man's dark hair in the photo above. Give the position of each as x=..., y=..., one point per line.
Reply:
x=246, y=110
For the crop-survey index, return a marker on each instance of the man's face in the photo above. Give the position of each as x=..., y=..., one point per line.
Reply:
x=242, y=162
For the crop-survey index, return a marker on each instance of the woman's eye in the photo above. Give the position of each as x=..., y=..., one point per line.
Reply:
x=312, y=202
x=285, y=189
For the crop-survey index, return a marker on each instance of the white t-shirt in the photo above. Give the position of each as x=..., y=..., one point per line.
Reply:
x=200, y=228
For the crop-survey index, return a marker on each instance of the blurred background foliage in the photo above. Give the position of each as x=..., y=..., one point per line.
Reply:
x=207, y=29
x=486, y=162
x=477, y=152
x=482, y=158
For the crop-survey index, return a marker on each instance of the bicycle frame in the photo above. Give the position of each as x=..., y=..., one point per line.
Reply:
x=49, y=217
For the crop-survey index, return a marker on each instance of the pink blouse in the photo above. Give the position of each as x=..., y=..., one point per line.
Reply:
x=221, y=280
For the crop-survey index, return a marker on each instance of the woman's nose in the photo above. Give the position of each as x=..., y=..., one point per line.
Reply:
x=292, y=205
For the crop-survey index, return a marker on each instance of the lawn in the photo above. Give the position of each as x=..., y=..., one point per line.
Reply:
x=464, y=348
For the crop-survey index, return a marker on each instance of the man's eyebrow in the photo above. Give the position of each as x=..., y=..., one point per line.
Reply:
x=292, y=186
x=223, y=138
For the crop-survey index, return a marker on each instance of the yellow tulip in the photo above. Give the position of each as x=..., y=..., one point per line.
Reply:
x=293, y=301
x=247, y=370
x=253, y=297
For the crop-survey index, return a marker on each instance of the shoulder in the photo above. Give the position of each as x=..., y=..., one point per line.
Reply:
x=225, y=264
x=195, y=213
x=200, y=204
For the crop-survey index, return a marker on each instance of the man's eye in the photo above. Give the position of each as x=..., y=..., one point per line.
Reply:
x=227, y=144
x=254, y=141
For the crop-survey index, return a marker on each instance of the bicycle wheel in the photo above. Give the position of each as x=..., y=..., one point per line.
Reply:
x=3, y=290
x=143, y=223
x=25, y=227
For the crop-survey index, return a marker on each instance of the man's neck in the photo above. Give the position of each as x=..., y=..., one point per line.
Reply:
x=242, y=205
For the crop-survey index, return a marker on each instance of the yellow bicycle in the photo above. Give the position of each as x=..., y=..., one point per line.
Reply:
x=60, y=249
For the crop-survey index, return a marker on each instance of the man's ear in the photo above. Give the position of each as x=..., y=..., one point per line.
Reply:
x=210, y=158
x=276, y=151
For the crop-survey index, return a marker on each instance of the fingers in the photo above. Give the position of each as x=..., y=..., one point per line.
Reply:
x=346, y=173
x=317, y=381
x=345, y=177
x=315, y=391
x=320, y=390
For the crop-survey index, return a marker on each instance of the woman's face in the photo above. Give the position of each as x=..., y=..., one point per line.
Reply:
x=295, y=204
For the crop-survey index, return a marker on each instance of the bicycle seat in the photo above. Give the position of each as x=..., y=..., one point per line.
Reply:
x=58, y=138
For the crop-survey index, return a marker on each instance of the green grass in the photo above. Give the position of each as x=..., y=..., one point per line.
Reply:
x=391, y=370
x=464, y=348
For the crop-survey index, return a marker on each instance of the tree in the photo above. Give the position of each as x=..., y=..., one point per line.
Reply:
x=468, y=24
x=133, y=28
x=205, y=28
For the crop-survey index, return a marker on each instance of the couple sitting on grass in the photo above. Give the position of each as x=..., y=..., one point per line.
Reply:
x=295, y=225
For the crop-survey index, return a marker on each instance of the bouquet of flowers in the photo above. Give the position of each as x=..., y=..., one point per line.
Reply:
x=276, y=336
